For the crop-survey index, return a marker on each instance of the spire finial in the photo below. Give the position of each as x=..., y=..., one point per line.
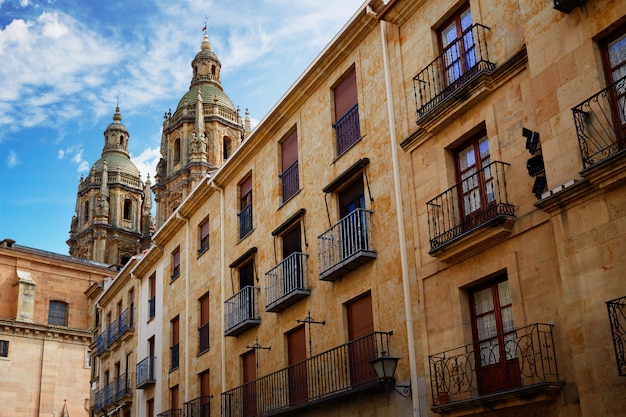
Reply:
x=206, y=19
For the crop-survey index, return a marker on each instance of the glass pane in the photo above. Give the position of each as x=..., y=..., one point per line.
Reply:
x=507, y=319
x=467, y=159
x=448, y=34
x=483, y=301
x=483, y=147
x=486, y=326
x=489, y=352
x=617, y=51
x=466, y=19
x=504, y=293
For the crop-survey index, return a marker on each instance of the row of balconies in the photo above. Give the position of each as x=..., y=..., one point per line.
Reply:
x=119, y=329
x=198, y=407
x=341, y=249
x=115, y=392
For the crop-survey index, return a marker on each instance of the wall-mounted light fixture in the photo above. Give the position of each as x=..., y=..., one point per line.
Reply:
x=385, y=368
x=534, y=165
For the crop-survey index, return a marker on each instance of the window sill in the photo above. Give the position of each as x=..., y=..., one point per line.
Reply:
x=202, y=251
x=345, y=151
x=203, y=352
x=291, y=197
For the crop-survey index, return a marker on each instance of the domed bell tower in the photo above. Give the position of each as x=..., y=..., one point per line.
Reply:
x=202, y=133
x=113, y=219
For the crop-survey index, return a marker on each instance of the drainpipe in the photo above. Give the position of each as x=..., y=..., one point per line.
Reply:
x=187, y=318
x=222, y=280
x=401, y=232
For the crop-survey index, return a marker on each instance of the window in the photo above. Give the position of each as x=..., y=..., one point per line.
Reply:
x=128, y=209
x=246, y=284
x=175, y=264
x=174, y=347
x=4, y=348
x=493, y=332
x=203, y=330
x=347, y=125
x=473, y=171
x=456, y=41
x=227, y=147
x=245, y=206
x=290, y=177
x=57, y=315
x=614, y=55
x=86, y=211
x=203, y=231
x=152, y=299
x=177, y=151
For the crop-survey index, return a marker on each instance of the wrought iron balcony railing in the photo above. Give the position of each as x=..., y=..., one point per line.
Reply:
x=124, y=386
x=290, y=179
x=112, y=333
x=461, y=62
x=526, y=359
x=286, y=283
x=145, y=372
x=125, y=321
x=98, y=403
x=198, y=407
x=617, y=318
x=468, y=205
x=109, y=393
x=173, y=412
x=245, y=221
x=601, y=123
x=346, y=245
x=241, y=311
x=100, y=344
x=347, y=129
x=203, y=338
x=336, y=372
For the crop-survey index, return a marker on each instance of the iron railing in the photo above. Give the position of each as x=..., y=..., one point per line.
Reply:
x=601, y=122
x=173, y=412
x=174, y=356
x=203, y=337
x=125, y=321
x=198, y=407
x=285, y=280
x=112, y=333
x=338, y=371
x=145, y=372
x=241, y=307
x=290, y=179
x=349, y=237
x=100, y=344
x=109, y=393
x=245, y=220
x=617, y=318
x=98, y=403
x=460, y=62
x=124, y=386
x=469, y=204
x=526, y=358
x=347, y=129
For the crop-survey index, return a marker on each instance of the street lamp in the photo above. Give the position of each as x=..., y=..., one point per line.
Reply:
x=385, y=368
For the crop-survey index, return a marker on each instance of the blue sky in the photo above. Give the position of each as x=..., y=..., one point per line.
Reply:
x=64, y=63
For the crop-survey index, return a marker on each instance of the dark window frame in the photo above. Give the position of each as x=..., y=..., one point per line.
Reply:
x=58, y=313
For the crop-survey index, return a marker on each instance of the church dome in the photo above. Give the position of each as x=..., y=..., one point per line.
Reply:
x=209, y=93
x=115, y=162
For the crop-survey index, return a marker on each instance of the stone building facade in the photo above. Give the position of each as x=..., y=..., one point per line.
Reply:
x=441, y=186
x=45, y=331
x=113, y=219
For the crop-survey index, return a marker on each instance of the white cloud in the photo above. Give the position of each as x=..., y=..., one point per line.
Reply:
x=146, y=162
x=76, y=156
x=12, y=159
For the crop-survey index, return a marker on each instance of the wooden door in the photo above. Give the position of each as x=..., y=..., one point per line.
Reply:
x=296, y=349
x=248, y=361
x=495, y=340
x=362, y=347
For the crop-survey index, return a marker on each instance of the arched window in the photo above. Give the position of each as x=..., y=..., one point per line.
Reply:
x=128, y=209
x=86, y=211
x=226, y=147
x=212, y=69
x=57, y=314
x=121, y=139
x=177, y=150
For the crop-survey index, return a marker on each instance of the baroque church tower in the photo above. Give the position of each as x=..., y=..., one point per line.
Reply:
x=113, y=219
x=199, y=136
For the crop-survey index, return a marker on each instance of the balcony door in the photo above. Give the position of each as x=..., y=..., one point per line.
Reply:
x=614, y=54
x=457, y=46
x=362, y=348
x=292, y=269
x=495, y=348
x=246, y=279
x=248, y=361
x=296, y=352
x=353, y=228
x=476, y=188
